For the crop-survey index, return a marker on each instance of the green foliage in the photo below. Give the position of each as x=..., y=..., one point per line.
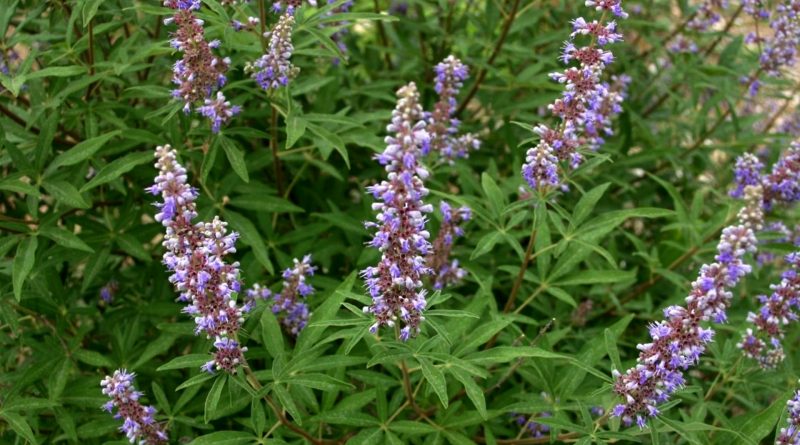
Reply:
x=531, y=333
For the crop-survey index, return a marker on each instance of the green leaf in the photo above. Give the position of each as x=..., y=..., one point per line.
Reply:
x=308, y=337
x=132, y=247
x=65, y=238
x=474, y=392
x=295, y=129
x=117, y=168
x=761, y=424
x=611, y=347
x=251, y=237
x=90, y=10
x=212, y=399
x=66, y=193
x=271, y=333
x=435, y=378
x=19, y=425
x=486, y=244
x=587, y=202
x=288, y=402
x=597, y=277
x=17, y=186
x=57, y=71
x=493, y=193
x=185, y=361
x=225, y=438
x=23, y=264
x=93, y=358
x=367, y=437
x=235, y=157
x=330, y=140
x=265, y=203
x=81, y=151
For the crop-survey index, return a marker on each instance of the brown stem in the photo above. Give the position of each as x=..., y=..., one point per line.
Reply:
x=495, y=52
x=671, y=35
x=643, y=287
x=409, y=391
x=521, y=275
x=783, y=108
x=661, y=99
x=724, y=32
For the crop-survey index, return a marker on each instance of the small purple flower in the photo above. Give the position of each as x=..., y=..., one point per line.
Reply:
x=138, y=421
x=447, y=272
x=395, y=284
x=707, y=15
x=790, y=435
x=289, y=6
x=274, y=69
x=219, y=111
x=108, y=291
x=746, y=172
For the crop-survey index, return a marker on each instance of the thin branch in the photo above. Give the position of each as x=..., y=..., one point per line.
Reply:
x=495, y=52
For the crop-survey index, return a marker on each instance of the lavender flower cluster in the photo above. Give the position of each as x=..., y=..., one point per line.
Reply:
x=707, y=15
x=532, y=428
x=678, y=342
x=447, y=272
x=139, y=423
x=587, y=105
x=781, y=50
x=295, y=286
x=762, y=342
x=195, y=256
x=781, y=185
x=199, y=72
x=108, y=291
x=442, y=123
x=790, y=435
x=274, y=69
x=395, y=284
x=289, y=6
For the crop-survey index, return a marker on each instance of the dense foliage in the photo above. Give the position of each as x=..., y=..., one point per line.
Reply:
x=423, y=221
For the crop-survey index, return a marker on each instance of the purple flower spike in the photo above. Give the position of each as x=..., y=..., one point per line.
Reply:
x=442, y=123
x=447, y=272
x=274, y=69
x=199, y=72
x=139, y=423
x=780, y=51
x=762, y=342
x=587, y=105
x=395, y=284
x=790, y=435
x=294, y=313
x=195, y=256
x=678, y=341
